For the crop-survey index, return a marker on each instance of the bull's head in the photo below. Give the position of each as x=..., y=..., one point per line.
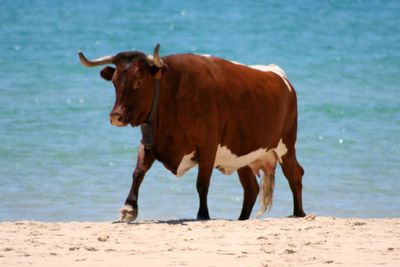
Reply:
x=134, y=79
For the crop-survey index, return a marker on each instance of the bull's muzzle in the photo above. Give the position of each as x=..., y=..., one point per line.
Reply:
x=117, y=119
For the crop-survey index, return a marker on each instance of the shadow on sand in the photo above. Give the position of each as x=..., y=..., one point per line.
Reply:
x=170, y=222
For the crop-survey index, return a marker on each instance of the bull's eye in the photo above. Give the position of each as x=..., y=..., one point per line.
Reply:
x=137, y=84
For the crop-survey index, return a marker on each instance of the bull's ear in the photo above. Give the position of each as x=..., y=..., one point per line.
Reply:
x=107, y=73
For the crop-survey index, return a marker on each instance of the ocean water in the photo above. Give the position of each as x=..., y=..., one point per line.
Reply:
x=61, y=160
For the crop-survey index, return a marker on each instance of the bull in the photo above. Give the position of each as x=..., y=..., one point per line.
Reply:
x=200, y=110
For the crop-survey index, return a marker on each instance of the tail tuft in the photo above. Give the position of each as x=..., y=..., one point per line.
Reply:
x=267, y=185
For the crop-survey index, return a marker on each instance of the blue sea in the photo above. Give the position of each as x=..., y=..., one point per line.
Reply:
x=61, y=160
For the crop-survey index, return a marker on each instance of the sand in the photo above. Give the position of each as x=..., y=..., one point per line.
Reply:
x=310, y=241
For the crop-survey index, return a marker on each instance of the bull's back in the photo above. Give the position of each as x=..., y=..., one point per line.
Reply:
x=255, y=105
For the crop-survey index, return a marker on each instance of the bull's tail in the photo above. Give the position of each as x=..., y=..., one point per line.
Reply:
x=267, y=185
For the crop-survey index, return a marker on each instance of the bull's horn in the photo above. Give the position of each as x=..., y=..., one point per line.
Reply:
x=97, y=62
x=156, y=57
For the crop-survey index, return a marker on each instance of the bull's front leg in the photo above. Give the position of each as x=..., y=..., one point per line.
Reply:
x=144, y=161
x=206, y=163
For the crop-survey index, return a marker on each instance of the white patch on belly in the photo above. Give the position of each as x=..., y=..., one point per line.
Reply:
x=227, y=162
x=186, y=164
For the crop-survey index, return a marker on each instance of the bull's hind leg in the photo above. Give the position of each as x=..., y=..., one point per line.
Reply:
x=294, y=173
x=144, y=161
x=250, y=191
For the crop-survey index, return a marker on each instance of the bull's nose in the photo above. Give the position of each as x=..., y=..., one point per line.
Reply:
x=116, y=119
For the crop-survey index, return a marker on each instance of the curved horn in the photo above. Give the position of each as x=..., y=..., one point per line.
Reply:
x=156, y=57
x=97, y=62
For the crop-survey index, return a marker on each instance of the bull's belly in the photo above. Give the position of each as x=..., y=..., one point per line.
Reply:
x=227, y=162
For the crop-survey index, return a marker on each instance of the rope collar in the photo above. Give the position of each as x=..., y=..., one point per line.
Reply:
x=147, y=126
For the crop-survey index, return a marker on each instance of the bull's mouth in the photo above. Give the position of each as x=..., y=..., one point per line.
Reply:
x=119, y=124
x=134, y=124
x=122, y=124
x=121, y=119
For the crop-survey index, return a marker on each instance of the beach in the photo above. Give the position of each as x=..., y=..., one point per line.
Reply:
x=309, y=241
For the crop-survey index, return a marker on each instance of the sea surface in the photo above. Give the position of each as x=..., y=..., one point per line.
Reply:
x=61, y=160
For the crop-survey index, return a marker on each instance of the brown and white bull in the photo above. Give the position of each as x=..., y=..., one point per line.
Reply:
x=200, y=110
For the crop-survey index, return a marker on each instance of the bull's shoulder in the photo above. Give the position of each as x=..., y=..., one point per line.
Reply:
x=188, y=59
x=192, y=69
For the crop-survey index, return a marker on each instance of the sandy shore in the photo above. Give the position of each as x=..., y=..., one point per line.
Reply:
x=272, y=242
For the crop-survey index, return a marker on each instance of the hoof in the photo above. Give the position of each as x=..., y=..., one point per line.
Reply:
x=299, y=215
x=128, y=214
x=202, y=217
